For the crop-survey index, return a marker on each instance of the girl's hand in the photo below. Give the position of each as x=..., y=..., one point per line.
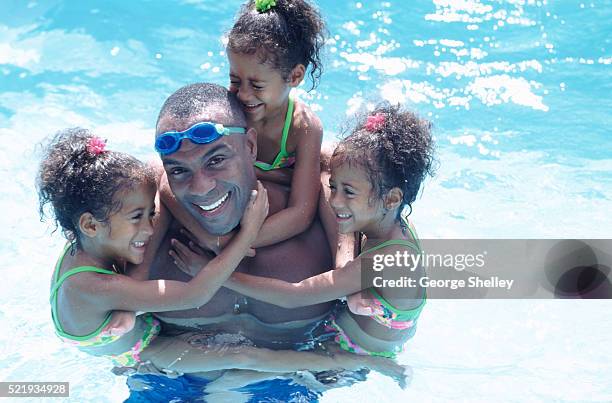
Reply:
x=189, y=260
x=361, y=303
x=121, y=323
x=402, y=374
x=255, y=213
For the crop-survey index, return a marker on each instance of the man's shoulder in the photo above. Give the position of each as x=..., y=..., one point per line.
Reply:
x=278, y=196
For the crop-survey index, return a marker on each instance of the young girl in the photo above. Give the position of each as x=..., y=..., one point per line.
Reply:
x=376, y=173
x=104, y=203
x=270, y=47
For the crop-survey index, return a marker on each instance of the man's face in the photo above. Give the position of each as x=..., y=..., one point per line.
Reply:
x=212, y=181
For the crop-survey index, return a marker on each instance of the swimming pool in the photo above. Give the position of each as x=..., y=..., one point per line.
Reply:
x=519, y=93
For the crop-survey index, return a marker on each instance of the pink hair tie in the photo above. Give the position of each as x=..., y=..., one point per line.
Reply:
x=375, y=122
x=96, y=145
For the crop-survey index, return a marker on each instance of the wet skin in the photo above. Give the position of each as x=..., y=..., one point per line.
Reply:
x=204, y=174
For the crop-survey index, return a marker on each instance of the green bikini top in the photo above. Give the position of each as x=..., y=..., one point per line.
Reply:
x=283, y=158
x=57, y=283
x=392, y=317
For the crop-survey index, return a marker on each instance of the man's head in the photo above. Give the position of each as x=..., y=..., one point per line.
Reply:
x=212, y=181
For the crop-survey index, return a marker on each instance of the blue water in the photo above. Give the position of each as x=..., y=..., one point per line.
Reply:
x=519, y=94
x=150, y=388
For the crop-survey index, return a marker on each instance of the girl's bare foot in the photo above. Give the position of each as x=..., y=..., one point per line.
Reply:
x=402, y=374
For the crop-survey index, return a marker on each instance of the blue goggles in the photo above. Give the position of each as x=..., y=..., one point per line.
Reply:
x=201, y=133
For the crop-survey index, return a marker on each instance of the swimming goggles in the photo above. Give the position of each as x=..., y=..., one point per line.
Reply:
x=201, y=133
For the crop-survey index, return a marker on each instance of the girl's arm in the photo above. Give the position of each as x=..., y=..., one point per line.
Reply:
x=120, y=292
x=305, y=184
x=324, y=287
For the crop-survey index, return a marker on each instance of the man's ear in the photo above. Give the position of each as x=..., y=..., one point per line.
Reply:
x=88, y=225
x=297, y=75
x=251, y=143
x=394, y=198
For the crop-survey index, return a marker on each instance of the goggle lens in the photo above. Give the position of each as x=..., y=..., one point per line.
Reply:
x=201, y=133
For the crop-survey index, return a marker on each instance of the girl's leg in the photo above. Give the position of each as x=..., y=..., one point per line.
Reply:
x=177, y=355
x=236, y=379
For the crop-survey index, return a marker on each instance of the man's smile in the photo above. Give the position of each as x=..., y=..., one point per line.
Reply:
x=214, y=207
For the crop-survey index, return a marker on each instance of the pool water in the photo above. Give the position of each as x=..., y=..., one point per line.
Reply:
x=519, y=95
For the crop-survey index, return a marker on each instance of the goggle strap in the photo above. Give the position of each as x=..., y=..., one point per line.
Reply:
x=239, y=130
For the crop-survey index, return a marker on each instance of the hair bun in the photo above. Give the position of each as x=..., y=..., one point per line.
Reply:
x=96, y=146
x=375, y=122
x=264, y=5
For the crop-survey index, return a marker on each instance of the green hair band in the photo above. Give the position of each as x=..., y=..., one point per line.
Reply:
x=264, y=5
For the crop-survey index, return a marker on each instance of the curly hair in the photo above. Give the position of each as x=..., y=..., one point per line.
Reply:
x=396, y=149
x=290, y=33
x=74, y=180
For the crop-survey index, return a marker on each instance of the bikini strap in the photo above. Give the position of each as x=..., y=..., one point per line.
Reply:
x=402, y=314
x=76, y=270
x=393, y=242
x=56, y=285
x=282, y=153
x=287, y=126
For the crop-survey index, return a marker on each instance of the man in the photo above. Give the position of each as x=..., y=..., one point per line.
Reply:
x=212, y=183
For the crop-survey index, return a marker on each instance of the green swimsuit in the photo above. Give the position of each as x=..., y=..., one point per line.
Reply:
x=99, y=338
x=391, y=317
x=283, y=158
